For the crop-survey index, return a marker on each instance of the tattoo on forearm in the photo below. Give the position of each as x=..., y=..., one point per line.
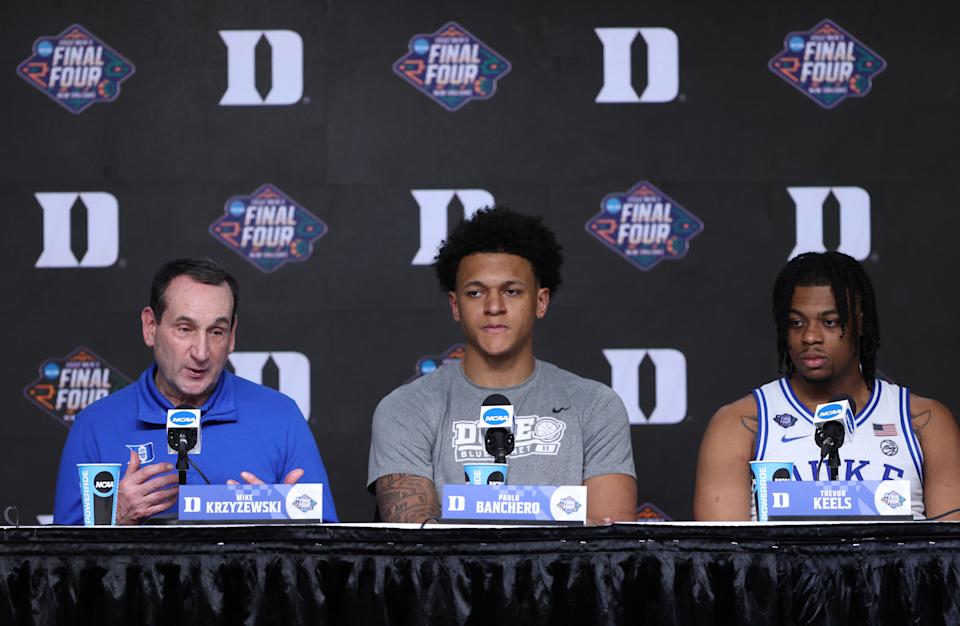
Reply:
x=406, y=498
x=921, y=420
x=749, y=422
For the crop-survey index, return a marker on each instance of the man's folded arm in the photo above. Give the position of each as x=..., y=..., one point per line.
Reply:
x=406, y=498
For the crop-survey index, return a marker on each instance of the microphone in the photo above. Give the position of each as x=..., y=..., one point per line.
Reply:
x=496, y=417
x=183, y=438
x=835, y=423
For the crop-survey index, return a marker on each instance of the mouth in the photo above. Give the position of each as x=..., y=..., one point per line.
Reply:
x=195, y=373
x=494, y=329
x=813, y=361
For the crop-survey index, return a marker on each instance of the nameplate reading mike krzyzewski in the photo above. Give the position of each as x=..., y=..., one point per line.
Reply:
x=526, y=504
x=228, y=503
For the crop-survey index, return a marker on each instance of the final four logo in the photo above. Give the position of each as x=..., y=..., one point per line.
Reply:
x=429, y=363
x=268, y=228
x=644, y=226
x=68, y=385
x=75, y=69
x=827, y=64
x=452, y=67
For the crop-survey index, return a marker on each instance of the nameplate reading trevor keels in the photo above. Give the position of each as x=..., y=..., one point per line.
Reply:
x=518, y=504
x=226, y=503
x=839, y=500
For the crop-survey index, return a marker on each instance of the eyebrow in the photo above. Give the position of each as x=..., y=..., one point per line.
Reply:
x=479, y=283
x=190, y=320
x=832, y=311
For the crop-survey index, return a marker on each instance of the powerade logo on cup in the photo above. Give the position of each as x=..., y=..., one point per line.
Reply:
x=98, y=492
x=496, y=416
x=183, y=418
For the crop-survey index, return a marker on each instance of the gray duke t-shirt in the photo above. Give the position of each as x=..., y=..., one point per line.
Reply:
x=567, y=429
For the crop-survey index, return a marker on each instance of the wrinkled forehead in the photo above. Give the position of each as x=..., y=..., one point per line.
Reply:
x=188, y=298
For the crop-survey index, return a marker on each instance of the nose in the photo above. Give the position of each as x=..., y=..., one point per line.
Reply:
x=812, y=334
x=200, y=348
x=494, y=303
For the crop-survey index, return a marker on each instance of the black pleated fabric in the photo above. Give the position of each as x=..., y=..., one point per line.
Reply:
x=646, y=574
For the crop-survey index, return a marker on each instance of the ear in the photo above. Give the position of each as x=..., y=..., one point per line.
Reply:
x=148, y=322
x=543, y=301
x=454, y=305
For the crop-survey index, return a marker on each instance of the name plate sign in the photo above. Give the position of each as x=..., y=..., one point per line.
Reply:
x=839, y=500
x=519, y=504
x=226, y=503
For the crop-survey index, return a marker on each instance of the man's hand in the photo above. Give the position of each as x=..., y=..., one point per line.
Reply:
x=141, y=493
x=251, y=479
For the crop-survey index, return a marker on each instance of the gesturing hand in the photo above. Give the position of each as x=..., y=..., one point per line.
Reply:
x=143, y=493
x=250, y=479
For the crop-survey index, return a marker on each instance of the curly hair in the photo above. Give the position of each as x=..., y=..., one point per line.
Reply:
x=501, y=230
x=853, y=293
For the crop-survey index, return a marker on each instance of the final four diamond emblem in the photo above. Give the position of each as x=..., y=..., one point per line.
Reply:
x=75, y=69
x=268, y=228
x=644, y=226
x=452, y=67
x=827, y=64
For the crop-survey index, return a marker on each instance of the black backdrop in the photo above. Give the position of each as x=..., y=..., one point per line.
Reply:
x=360, y=139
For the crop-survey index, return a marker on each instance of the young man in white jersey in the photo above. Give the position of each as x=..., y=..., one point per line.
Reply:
x=827, y=338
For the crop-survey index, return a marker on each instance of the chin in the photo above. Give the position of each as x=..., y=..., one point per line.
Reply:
x=815, y=377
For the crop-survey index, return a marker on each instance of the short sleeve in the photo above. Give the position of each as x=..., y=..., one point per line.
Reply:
x=402, y=437
x=607, y=448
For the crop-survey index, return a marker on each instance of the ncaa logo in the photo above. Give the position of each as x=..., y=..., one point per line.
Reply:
x=183, y=418
x=663, y=65
x=293, y=373
x=854, y=219
x=670, y=386
x=286, y=67
x=829, y=411
x=103, y=229
x=495, y=416
x=433, y=204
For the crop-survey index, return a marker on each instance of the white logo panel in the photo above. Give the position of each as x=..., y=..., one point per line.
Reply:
x=433, y=205
x=286, y=67
x=294, y=373
x=671, y=383
x=663, y=65
x=103, y=229
x=854, y=220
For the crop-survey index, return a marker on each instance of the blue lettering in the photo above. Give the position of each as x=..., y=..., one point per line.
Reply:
x=854, y=474
x=888, y=472
x=813, y=469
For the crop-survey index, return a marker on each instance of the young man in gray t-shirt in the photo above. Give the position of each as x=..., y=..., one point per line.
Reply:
x=500, y=270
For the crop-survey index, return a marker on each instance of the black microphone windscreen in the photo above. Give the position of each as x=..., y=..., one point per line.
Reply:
x=496, y=399
x=846, y=396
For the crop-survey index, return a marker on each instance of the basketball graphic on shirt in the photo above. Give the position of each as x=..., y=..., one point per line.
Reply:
x=548, y=429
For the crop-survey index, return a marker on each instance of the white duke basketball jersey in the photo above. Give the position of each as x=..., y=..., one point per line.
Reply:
x=883, y=447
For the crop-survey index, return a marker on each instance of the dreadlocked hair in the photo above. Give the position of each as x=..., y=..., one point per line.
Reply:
x=846, y=279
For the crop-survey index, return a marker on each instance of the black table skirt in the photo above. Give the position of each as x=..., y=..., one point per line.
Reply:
x=634, y=574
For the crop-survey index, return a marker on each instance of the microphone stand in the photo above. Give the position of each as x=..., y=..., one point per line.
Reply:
x=182, y=459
